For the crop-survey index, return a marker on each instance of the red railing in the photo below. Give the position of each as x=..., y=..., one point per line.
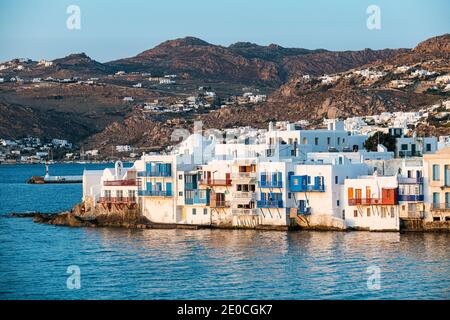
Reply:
x=216, y=182
x=120, y=183
x=372, y=201
x=117, y=200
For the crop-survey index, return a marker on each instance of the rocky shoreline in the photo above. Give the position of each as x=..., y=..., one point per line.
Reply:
x=130, y=218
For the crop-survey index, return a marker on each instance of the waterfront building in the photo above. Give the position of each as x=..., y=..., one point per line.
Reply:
x=281, y=177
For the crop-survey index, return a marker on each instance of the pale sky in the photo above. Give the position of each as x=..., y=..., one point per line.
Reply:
x=117, y=29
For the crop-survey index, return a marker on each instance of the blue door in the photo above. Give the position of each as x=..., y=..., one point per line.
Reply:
x=169, y=188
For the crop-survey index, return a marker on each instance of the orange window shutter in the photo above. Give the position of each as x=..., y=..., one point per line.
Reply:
x=350, y=193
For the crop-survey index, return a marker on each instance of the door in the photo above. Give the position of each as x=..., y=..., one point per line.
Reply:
x=436, y=199
x=368, y=193
x=169, y=188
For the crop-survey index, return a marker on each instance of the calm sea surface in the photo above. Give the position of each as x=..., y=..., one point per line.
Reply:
x=201, y=264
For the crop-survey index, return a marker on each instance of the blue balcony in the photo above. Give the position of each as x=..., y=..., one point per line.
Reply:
x=154, y=174
x=300, y=184
x=190, y=185
x=270, y=204
x=199, y=201
x=154, y=193
x=411, y=197
x=271, y=184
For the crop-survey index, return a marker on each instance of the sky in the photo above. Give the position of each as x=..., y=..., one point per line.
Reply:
x=109, y=30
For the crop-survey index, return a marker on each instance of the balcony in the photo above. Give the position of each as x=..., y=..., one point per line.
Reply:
x=271, y=184
x=192, y=201
x=220, y=204
x=244, y=195
x=307, y=188
x=243, y=177
x=411, y=197
x=190, y=185
x=154, y=193
x=120, y=183
x=154, y=174
x=407, y=153
x=270, y=204
x=216, y=182
x=404, y=180
x=440, y=207
x=372, y=201
x=123, y=200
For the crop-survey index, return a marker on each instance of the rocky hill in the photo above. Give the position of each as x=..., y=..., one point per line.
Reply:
x=243, y=62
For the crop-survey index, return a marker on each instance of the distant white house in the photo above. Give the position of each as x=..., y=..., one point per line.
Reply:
x=128, y=99
x=123, y=148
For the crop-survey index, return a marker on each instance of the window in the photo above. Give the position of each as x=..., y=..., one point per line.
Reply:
x=328, y=140
x=392, y=212
x=336, y=179
x=295, y=181
x=180, y=193
x=316, y=141
x=368, y=212
x=355, y=213
x=338, y=140
x=305, y=141
x=119, y=195
x=194, y=211
x=289, y=195
x=180, y=177
x=205, y=211
x=428, y=147
x=436, y=173
x=338, y=203
x=404, y=146
x=132, y=195
x=202, y=194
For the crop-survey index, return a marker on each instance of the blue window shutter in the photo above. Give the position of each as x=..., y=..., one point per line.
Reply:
x=149, y=186
x=280, y=176
x=169, y=188
x=316, y=182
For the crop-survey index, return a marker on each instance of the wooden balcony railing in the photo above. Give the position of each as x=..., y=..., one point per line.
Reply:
x=120, y=183
x=372, y=201
x=216, y=182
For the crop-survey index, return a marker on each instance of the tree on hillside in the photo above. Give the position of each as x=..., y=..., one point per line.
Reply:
x=380, y=138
